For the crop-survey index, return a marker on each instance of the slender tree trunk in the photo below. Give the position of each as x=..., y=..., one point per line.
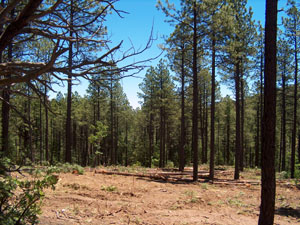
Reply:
x=68, y=156
x=206, y=123
x=151, y=131
x=298, y=146
x=242, y=124
x=212, y=115
x=117, y=137
x=195, y=98
x=283, y=155
x=112, y=149
x=202, y=124
x=238, y=122
x=182, y=120
x=294, y=131
x=74, y=136
x=268, y=189
x=46, y=126
x=41, y=133
x=126, y=144
x=228, y=132
x=257, y=140
x=257, y=156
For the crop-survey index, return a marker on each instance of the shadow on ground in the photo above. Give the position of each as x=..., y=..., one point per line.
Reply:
x=288, y=211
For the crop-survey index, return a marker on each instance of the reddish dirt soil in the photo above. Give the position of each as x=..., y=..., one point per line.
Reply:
x=97, y=198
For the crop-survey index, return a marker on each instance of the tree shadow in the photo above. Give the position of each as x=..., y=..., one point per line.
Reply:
x=288, y=211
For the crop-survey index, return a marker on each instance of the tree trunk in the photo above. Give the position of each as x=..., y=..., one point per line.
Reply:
x=212, y=115
x=68, y=156
x=126, y=144
x=228, y=132
x=195, y=98
x=41, y=133
x=268, y=183
x=238, y=122
x=283, y=151
x=257, y=139
x=6, y=106
x=112, y=141
x=242, y=124
x=46, y=125
x=182, y=119
x=151, y=131
x=294, y=131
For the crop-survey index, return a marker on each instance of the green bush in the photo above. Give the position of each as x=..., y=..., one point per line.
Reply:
x=170, y=164
x=66, y=168
x=20, y=199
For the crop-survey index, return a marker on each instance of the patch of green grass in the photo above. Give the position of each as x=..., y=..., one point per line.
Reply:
x=235, y=202
x=192, y=198
x=76, y=186
x=110, y=188
x=66, y=168
x=204, y=186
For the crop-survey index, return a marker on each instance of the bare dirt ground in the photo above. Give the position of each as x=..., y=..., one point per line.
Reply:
x=102, y=198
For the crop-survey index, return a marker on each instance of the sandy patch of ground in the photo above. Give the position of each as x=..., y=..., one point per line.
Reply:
x=95, y=198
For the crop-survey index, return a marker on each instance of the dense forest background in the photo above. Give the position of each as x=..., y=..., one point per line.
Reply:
x=182, y=120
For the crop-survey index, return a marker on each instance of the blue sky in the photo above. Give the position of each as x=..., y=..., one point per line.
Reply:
x=135, y=28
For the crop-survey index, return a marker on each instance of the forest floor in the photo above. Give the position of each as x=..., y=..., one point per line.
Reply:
x=163, y=197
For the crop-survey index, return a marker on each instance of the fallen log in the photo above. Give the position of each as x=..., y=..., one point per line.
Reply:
x=155, y=176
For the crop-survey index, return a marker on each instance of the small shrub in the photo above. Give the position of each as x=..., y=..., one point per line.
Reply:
x=66, y=168
x=20, y=200
x=283, y=175
x=155, y=162
x=204, y=186
x=170, y=165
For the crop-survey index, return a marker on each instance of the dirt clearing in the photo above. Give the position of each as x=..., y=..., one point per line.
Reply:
x=99, y=198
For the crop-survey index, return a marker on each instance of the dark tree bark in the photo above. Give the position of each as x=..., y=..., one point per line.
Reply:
x=195, y=98
x=46, y=126
x=294, y=131
x=68, y=156
x=257, y=153
x=283, y=120
x=5, y=101
x=242, y=124
x=182, y=119
x=19, y=23
x=126, y=144
x=151, y=135
x=112, y=124
x=298, y=147
x=117, y=137
x=205, y=123
x=74, y=138
x=257, y=137
x=228, y=132
x=212, y=115
x=238, y=122
x=41, y=133
x=268, y=189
